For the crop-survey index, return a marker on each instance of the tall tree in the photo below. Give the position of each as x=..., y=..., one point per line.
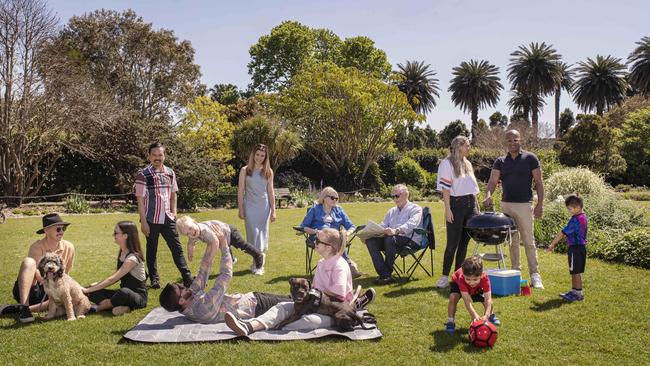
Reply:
x=475, y=85
x=360, y=52
x=206, y=131
x=47, y=100
x=498, y=119
x=566, y=83
x=148, y=72
x=600, y=84
x=533, y=72
x=345, y=117
x=279, y=55
x=283, y=143
x=453, y=129
x=418, y=83
x=640, y=69
x=566, y=121
x=519, y=104
x=225, y=94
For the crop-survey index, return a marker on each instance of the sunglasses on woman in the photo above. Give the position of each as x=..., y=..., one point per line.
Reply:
x=333, y=198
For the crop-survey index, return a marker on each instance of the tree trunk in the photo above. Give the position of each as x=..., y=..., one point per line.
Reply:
x=535, y=112
x=558, y=91
x=474, y=122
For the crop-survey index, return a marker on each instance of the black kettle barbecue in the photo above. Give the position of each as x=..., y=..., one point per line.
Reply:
x=491, y=228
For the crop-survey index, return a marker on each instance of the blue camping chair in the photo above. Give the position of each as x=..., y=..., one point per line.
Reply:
x=417, y=251
x=309, y=245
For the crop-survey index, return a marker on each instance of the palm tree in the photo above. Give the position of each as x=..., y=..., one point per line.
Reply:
x=418, y=83
x=640, y=70
x=522, y=103
x=600, y=84
x=475, y=85
x=566, y=83
x=533, y=71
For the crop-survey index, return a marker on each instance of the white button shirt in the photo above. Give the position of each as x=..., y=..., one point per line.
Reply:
x=404, y=220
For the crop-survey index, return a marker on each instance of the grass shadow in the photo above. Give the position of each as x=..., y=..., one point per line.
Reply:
x=284, y=278
x=399, y=292
x=242, y=272
x=443, y=342
x=547, y=305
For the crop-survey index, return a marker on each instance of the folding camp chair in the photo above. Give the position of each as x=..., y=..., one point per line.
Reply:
x=309, y=246
x=417, y=251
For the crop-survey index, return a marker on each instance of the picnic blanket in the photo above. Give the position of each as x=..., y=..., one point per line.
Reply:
x=161, y=326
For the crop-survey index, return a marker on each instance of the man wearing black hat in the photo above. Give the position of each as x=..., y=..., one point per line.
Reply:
x=28, y=289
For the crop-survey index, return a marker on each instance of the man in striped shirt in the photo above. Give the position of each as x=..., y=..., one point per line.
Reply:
x=155, y=189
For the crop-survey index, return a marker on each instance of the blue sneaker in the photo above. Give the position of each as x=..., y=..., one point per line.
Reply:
x=494, y=320
x=572, y=296
x=450, y=328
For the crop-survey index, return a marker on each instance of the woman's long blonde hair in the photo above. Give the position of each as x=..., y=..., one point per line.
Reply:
x=461, y=165
x=266, y=165
x=336, y=237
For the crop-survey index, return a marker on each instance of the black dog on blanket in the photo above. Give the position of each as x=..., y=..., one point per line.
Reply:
x=307, y=300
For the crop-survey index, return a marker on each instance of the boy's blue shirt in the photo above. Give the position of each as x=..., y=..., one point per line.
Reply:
x=576, y=230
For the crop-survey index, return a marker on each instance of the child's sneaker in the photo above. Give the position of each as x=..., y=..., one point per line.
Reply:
x=365, y=299
x=450, y=328
x=572, y=296
x=494, y=320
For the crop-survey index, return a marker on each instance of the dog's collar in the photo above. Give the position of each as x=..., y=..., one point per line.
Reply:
x=316, y=296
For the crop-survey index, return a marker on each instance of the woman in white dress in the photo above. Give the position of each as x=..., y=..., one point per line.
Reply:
x=256, y=200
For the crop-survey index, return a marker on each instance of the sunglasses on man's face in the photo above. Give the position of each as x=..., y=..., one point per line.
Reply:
x=333, y=198
x=60, y=229
x=396, y=196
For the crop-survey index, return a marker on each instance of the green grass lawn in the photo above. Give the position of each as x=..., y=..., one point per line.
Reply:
x=609, y=327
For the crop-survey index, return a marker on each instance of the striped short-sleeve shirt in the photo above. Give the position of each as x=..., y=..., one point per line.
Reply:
x=156, y=186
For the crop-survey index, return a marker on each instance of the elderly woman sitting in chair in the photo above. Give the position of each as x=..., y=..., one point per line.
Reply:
x=328, y=214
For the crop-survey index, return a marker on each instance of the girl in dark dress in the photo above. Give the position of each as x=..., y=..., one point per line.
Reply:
x=130, y=272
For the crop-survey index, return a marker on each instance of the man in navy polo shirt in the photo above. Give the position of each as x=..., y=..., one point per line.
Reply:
x=517, y=170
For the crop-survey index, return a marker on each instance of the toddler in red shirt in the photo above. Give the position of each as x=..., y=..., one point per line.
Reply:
x=471, y=284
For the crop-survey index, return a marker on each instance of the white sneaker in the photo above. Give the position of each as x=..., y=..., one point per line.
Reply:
x=259, y=271
x=536, y=281
x=443, y=282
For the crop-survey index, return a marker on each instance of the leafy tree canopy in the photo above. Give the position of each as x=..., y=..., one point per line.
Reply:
x=279, y=55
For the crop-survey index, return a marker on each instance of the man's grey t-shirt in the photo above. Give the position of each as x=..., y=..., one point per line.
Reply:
x=517, y=175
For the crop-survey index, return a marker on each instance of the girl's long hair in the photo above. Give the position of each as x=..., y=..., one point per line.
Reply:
x=266, y=165
x=132, y=240
x=336, y=237
x=461, y=165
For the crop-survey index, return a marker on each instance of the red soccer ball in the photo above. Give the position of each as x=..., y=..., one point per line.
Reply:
x=482, y=333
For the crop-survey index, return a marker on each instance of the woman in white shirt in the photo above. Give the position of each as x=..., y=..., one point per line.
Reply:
x=459, y=188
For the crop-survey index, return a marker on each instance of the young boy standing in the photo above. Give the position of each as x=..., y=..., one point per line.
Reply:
x=575, y=233
x=470, y=283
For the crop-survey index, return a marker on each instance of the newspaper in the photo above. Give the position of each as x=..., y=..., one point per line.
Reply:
x=372, y=230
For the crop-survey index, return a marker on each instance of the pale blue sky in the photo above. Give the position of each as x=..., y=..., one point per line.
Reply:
x=442, y=33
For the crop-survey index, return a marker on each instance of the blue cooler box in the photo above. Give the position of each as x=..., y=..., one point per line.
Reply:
x=504, y=282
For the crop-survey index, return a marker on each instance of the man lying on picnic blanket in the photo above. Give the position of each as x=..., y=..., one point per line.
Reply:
x=209, y=305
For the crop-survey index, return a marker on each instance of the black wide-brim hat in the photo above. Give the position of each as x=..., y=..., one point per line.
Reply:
x=51, y=220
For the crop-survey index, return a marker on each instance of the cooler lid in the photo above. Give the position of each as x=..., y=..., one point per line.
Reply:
x=503, y=272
